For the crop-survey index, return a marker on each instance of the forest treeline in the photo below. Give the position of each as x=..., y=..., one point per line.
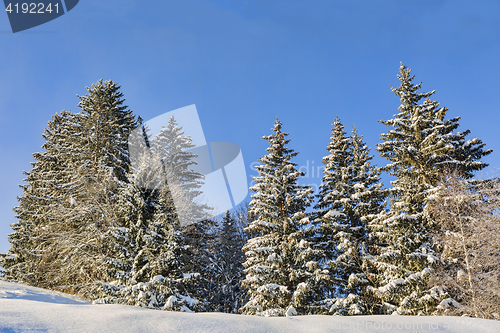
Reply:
x=427, y=245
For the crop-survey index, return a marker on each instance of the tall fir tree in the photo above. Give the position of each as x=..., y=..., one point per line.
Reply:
x=231, y=265
x=109, y=124
x=349, y=194
x=147, y=264
x=203, y=251
x=420, y=147
x=276, y=266
x=70, y=200
x=172, y=147
x=101, y=170
x=46, y=194
x=215, y=250
x=325, y=244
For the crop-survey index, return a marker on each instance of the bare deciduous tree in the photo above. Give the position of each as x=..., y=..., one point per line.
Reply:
x=467, y=216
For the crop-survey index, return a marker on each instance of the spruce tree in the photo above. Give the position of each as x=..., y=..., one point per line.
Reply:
x=109, y=124
x=350, y=192
x=69, y=201
x=325, y=244
x=203, y=253
x=420, y=147
x=368, y=201
x=230, y=243
x=47, y=192
x=147, y=266
x=101, y=170
x=276, y=266
x=215, y=252
x=172, y=147
x=148, y=255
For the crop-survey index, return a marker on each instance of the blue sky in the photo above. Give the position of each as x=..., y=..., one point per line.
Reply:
x=243, y=63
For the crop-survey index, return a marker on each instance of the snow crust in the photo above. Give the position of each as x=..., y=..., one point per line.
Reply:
x=24, y=308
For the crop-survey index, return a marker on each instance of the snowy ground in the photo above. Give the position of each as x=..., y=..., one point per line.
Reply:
x=24, y=308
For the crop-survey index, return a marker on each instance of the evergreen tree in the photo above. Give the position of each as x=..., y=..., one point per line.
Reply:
x=325, y=243
x=69, y=201
x=172, y=147
x=350, y=193
x=201, y=239
x=148, y=263
x=100, y=168
x=84, y=217
x=276, y=266
x=420, y=147
x=215, y=250
x=109, y=124
x=48, y=189
x=231, y=265
x=148, y=255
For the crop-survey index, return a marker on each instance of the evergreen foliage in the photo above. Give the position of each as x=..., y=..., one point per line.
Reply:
x=147, y=259
x=67, y=205
x=276, y=266
x=350, y=192
x=48, y=187
x=215, y=249
x=113, y=215
x=85, y=224
x=420, y=147
x=172, y=147
x=231, y=273
x=201, y=241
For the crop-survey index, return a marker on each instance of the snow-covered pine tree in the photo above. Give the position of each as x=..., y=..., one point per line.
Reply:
x=71, y=194
x=276, y=262
x=350, y=192
x=325, y=244
x=47, y=192
x=109, y=123
x=231, y=261
x=201, y=239
x=148, y=254
x=101, y=169
x=147, y=265
x=420, y=147
x=215, y=252
x=368, y=201
x=173, y=148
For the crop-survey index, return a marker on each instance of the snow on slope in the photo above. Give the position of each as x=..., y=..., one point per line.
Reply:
x=24, y=308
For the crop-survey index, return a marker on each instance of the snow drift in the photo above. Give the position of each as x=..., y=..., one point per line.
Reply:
x=24, y=308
